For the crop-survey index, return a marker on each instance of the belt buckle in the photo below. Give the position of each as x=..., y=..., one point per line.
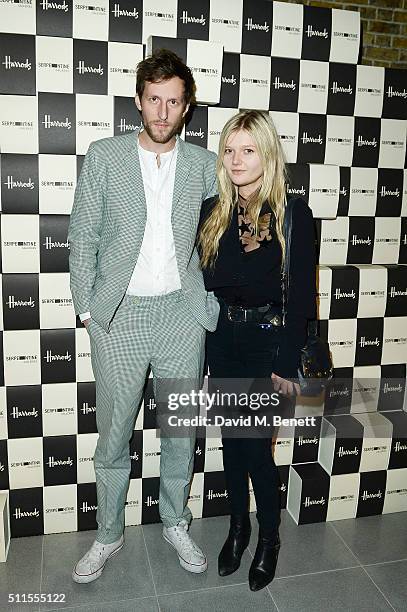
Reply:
x=239, y=309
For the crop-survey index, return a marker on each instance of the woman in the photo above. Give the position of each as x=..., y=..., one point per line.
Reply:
x=242, y=247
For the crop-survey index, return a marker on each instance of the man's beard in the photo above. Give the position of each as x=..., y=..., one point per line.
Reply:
x=162, y=137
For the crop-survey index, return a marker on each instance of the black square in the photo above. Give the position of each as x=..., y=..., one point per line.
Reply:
x=360, y=240
x=257, y=27
x=20, y=301
x=229, y=91
x=54, y=18
x=56, y=123
x=58, y=355
x=311, y=138
x=19, y=183
x=316, y=38
x=366, y=144
x=18, y=67
x=126, y=21
x=341, y=89
x=193, y=19
x=284, y=84
x=90, y=67
x=54, y=248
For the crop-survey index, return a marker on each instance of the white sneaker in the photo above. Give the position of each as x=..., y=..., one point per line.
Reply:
x=93, y=562
x=190, y=555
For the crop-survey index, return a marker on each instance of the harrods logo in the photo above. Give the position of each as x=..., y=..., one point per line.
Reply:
x=310, y=32
x=296, y=190
x=400, y=447
x=18, y=184
x=314, y=502
x=16, y=413
x=56, y=6
x=216, y=495
x=13, y=303
x=50, y=244
x=365, y=342
x=355, y=240
x=389, y=192
x=394, y=293
x=48, y=123
x=9, y=64
x=21, y=514
x=230, y=80
x=87, y=508
x=305, y=139
x=195, y=133
x=392, y=93
x=52, y=462
x=251, y=25
x=366, y=495
x=87, y=409
x=119, y=12
x=341, y=89
x=50, y=357
x=124, y=126
x=277, y=84
x=339, y=294
x=361, y=142
x=301, y=440
x=185, y=18
x=83, y=69
x=150, y=501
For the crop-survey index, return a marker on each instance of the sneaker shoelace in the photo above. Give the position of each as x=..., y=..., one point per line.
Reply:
x=187, y=543
x=94, y=554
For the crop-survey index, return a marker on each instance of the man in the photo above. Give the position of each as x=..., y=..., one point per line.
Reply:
x=138, y=288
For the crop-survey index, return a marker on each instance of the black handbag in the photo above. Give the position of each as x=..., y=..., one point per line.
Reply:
x=315, y=369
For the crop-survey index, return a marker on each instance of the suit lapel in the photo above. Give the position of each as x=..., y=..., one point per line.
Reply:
x=135, y=179
x=181, y=173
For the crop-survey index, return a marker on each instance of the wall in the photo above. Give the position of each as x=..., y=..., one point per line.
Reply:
x=384, y=25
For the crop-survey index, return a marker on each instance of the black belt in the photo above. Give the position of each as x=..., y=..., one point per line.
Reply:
x=269, y=314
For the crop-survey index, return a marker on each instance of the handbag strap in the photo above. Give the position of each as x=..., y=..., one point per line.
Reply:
x=285, y=276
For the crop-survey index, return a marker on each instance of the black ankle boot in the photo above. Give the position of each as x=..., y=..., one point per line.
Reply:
x=264, y=564
x=236, y=542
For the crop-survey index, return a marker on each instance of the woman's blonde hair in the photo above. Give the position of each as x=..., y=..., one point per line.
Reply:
x=271, y=190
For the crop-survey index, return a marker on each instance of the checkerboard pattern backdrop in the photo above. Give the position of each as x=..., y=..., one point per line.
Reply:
x=67, y=78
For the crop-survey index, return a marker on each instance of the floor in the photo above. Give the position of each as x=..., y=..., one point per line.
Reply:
x=351, y=565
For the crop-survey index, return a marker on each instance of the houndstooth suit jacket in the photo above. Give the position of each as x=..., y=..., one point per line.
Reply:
x=107, y=226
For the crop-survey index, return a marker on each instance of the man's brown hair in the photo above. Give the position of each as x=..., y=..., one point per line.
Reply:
x=161, y=66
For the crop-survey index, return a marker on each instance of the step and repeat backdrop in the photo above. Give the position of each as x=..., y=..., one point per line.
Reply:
x=67, y=78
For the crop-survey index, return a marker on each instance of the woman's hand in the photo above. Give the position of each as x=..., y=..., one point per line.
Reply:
x=284, y=386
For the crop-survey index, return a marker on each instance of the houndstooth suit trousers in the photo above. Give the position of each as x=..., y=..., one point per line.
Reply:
x=160, y=331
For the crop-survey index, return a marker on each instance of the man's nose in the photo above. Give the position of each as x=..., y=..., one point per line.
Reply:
x=162, y=111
